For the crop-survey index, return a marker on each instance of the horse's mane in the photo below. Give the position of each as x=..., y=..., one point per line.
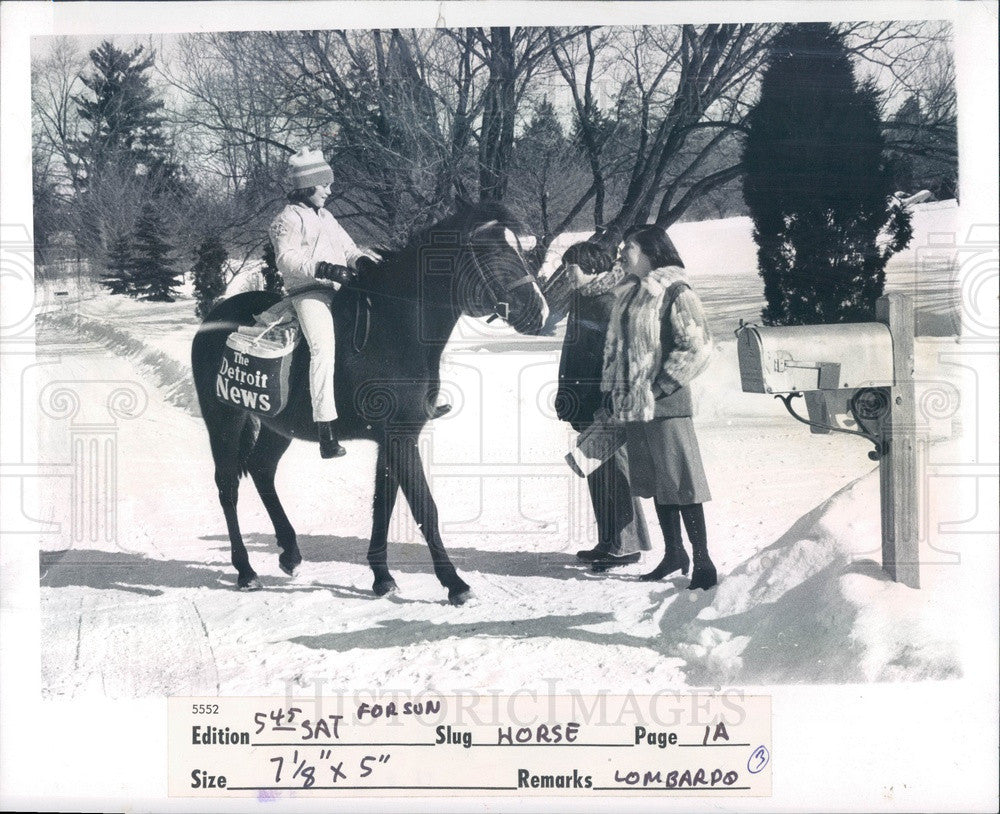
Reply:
x=399, y=267
x=466, y=217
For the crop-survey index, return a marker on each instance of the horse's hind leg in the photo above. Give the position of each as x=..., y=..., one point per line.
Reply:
x=262, y=465
x=405, y=462
x=386, y=490
x=231, y=440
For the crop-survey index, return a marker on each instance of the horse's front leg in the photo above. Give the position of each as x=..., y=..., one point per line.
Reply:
x=386, y=489
x=405, y=462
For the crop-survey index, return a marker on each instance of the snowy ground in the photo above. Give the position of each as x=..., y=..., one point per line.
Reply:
x=141, y=601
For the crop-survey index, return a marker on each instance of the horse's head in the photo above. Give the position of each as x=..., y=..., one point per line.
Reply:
x=496, y=278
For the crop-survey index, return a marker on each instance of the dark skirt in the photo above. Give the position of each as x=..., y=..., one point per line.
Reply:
x=665, y=461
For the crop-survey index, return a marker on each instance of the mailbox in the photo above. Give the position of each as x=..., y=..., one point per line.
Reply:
x=855, y=378
x=801, y=358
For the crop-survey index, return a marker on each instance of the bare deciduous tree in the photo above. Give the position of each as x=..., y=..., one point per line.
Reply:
x=651, y=119
x=681, y=84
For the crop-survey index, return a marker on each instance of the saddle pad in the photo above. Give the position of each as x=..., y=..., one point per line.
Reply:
x=255, y=368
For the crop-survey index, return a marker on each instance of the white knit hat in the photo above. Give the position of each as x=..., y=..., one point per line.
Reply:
x=307, y=168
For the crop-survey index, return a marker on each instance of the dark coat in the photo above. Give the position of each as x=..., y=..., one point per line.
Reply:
x=579, y=395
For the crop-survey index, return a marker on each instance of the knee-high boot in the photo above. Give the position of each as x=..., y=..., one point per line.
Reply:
x=704, y=575
x=675, y=558
x=329, y=446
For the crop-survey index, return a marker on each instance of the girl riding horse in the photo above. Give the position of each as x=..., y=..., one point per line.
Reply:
x=310, y=249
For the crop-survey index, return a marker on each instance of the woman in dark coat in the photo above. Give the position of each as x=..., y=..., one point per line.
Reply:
x=621, y=528
x=658, y=341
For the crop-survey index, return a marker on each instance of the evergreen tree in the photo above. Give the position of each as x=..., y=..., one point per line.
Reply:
x=123, y=156
x=539, y=158
x=120, y=265
x=124, y=117
x=817, y=185
x=153, y=276
x=273, y=281
x=209, y=281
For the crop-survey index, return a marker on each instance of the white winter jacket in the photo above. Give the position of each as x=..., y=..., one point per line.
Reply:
x=302, y=237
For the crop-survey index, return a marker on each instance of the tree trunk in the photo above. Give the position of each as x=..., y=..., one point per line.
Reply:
x=497, y=141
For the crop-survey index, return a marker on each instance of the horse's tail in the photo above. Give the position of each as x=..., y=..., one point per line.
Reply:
x=248, y=439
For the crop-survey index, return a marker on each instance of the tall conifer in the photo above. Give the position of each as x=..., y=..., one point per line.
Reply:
x=207, y=273
x=153, y=277
x=118, y=278
x=817, y=185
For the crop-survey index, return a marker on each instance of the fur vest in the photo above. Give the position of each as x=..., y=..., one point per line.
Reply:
x=658, y=340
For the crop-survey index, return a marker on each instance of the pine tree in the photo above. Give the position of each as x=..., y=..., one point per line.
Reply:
x=120, y=266
x=153, y=276
x=125, y=119
x=209, y=282
x=817, y=185
x=123, y=156
x=537, y=155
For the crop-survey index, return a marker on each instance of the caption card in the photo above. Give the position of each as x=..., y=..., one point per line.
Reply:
x=706, y=745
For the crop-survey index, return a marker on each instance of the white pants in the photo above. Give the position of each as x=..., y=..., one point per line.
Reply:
x=313, y=311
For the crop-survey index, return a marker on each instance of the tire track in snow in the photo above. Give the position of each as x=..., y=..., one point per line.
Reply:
x=208, y=640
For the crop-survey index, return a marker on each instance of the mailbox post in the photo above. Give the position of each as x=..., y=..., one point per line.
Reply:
x=864, y=370
x=898, y=466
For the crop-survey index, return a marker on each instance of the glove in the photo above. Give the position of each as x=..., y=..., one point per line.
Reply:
x=331, y=271
x=365, y=263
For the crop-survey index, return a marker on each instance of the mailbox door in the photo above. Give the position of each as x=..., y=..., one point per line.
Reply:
x=749, y=352
x=815, y=357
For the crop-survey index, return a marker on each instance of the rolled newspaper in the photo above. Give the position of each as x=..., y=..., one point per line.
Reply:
x=595, y=445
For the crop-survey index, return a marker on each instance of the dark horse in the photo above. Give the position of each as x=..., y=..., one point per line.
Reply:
x=468, y=263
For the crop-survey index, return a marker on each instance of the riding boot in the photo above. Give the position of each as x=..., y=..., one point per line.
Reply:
x=329, y=447
x=675, y=558
x=704, y=575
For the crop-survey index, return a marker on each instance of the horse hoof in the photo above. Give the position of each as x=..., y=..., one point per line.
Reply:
x=289, y=567
x=459, y=596
x=385, y=586
x=252, y=584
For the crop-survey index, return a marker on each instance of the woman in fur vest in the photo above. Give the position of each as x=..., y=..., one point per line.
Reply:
x=658, y=341
x=621, y=530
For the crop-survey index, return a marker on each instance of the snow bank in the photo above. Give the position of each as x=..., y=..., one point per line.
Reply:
x=171, y=376
x=808, y=609
x=726, y=246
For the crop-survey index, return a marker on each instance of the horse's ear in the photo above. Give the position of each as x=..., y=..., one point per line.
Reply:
x=604, y=238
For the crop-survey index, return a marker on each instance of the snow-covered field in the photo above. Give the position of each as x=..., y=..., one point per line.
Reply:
x=139, y=599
